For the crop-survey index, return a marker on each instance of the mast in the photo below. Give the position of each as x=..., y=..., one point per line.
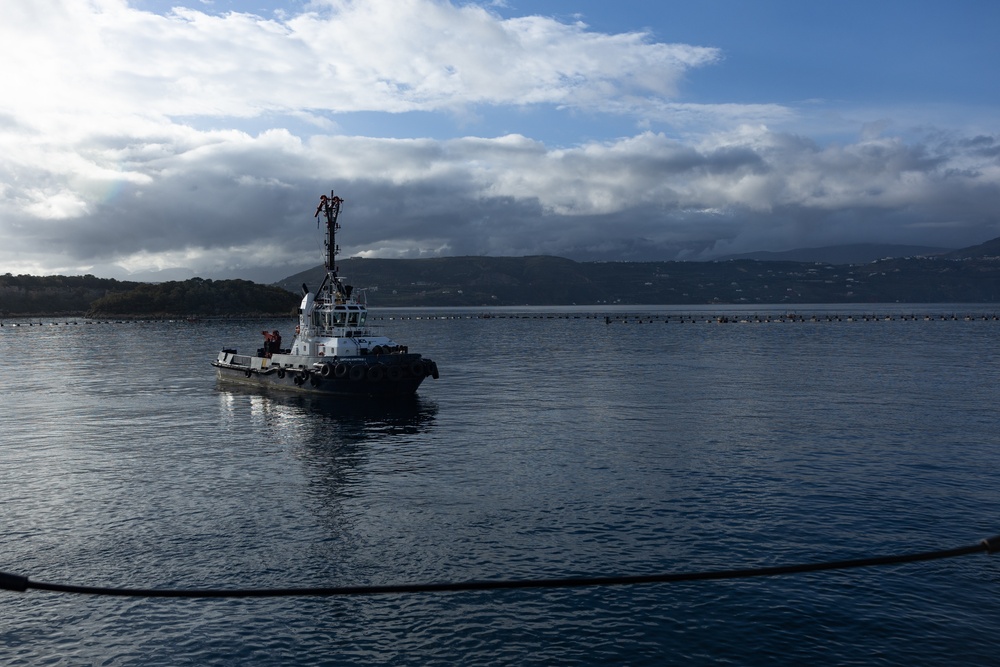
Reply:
x=330, y=208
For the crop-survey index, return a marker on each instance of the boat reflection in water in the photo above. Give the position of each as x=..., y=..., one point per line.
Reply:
x=339, y=442
x=297, y=420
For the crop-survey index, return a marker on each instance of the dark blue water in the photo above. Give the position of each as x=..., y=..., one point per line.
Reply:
x=553, y=445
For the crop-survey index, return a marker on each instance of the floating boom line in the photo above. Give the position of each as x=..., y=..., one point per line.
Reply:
x=13, y=582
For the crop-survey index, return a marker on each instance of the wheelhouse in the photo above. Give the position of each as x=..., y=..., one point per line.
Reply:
x=337, y=320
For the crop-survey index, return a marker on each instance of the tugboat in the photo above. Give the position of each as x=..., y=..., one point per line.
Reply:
x=334, y=351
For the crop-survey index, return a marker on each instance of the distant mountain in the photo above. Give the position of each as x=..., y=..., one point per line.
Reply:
x=376, y=271
x=920, y=277
x=854, y=253
x=988, y=250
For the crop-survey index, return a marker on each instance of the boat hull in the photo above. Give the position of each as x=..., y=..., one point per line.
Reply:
x=343, y=379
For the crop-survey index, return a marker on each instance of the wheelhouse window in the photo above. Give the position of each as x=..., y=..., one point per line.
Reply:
x=321, y=320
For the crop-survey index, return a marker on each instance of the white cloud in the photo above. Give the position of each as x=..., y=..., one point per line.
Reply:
x=101, y=59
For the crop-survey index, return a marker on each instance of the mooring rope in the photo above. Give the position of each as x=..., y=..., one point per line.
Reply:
x=13, y=582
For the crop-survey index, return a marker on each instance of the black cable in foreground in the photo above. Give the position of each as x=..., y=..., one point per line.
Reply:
x=13, y=582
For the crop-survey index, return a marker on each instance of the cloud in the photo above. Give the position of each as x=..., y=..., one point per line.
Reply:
x=103, y=58
x=119, y=146
x=218, y=206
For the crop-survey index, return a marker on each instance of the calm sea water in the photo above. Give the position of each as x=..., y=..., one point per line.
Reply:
x=553, y=445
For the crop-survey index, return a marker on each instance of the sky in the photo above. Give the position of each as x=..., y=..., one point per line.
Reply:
x=167, y=139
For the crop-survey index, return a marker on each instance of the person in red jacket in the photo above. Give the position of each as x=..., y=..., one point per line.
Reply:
x=272, y=343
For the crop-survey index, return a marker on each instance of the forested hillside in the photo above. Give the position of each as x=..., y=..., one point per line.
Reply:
x=37, y=295
x=198, y=297
x=101, y=297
